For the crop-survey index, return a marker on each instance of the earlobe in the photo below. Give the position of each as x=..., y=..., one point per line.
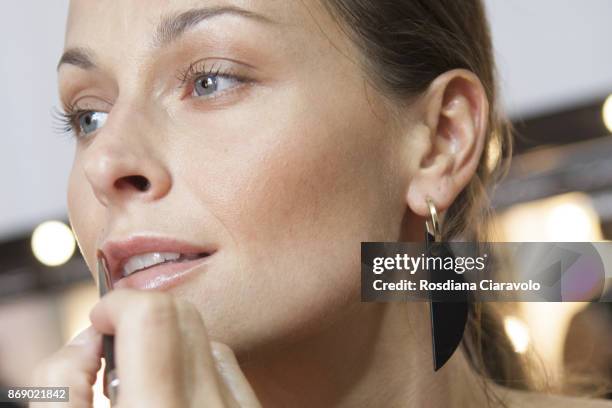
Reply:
x=456, y=110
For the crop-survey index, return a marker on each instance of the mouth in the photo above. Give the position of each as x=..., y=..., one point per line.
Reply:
x=153, y=262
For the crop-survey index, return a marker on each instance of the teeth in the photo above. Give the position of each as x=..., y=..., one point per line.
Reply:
x=142, y=261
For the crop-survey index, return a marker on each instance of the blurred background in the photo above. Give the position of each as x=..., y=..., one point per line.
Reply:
x=556, y=80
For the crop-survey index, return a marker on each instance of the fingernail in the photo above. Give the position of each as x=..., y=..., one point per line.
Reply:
x=83, y=337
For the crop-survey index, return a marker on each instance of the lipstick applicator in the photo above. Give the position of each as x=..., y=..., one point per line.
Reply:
x=111, y=382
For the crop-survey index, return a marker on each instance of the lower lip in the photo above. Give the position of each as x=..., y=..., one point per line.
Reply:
x=163, y=276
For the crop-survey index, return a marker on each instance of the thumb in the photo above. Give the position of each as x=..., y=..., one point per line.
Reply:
x=75, y=365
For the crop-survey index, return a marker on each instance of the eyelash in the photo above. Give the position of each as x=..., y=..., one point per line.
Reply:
x=69, y=117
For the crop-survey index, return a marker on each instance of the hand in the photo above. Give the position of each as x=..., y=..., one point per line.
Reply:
x=75, y=365
x=163, y=355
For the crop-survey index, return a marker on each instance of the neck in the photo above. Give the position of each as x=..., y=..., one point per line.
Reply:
x=379, y=354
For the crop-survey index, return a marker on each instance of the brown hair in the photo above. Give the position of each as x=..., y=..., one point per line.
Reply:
x=406, y=44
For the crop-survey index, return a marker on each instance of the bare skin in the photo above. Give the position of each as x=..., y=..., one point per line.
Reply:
x=286, y=173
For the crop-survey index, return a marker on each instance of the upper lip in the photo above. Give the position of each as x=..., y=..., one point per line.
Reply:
x=117, y=252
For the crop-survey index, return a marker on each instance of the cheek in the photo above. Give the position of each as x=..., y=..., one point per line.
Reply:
x=83, y=213
x=318, y=198
x=316, y=192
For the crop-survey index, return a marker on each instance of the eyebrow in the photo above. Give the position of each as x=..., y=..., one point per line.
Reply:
x=173, y=26
x=169, y=29
x=80, y=57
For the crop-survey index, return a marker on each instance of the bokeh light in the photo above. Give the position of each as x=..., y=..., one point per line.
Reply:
x=53, y=243
x=607, y=113
x=518, y=333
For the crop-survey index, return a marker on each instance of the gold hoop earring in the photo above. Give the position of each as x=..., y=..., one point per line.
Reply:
x=433, y=224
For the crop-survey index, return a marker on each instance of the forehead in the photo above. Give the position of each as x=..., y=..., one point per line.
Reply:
x=128, y=22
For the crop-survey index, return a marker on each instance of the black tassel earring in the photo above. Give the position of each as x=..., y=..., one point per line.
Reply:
x=448, y=319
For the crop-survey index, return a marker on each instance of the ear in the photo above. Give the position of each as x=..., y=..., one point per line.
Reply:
x=454, y=110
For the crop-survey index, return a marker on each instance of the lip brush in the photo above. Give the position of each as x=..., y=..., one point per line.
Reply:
x=111, y=382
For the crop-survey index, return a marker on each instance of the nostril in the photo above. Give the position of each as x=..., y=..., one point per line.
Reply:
x=139, y=182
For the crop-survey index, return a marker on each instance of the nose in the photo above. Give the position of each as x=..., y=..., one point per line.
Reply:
x=119, y=172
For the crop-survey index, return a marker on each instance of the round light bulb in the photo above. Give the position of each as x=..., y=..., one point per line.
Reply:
x=53, y=243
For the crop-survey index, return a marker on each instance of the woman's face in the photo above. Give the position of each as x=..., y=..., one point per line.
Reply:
x=251, y=131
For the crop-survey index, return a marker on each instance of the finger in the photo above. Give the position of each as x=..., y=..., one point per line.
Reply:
x=205, y=383
x=233, y=377
x=75, y=366
x=160, y=345
x=146, y=345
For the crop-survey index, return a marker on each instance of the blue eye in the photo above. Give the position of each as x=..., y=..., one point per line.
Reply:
x=208, y=84
x=91, y=121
